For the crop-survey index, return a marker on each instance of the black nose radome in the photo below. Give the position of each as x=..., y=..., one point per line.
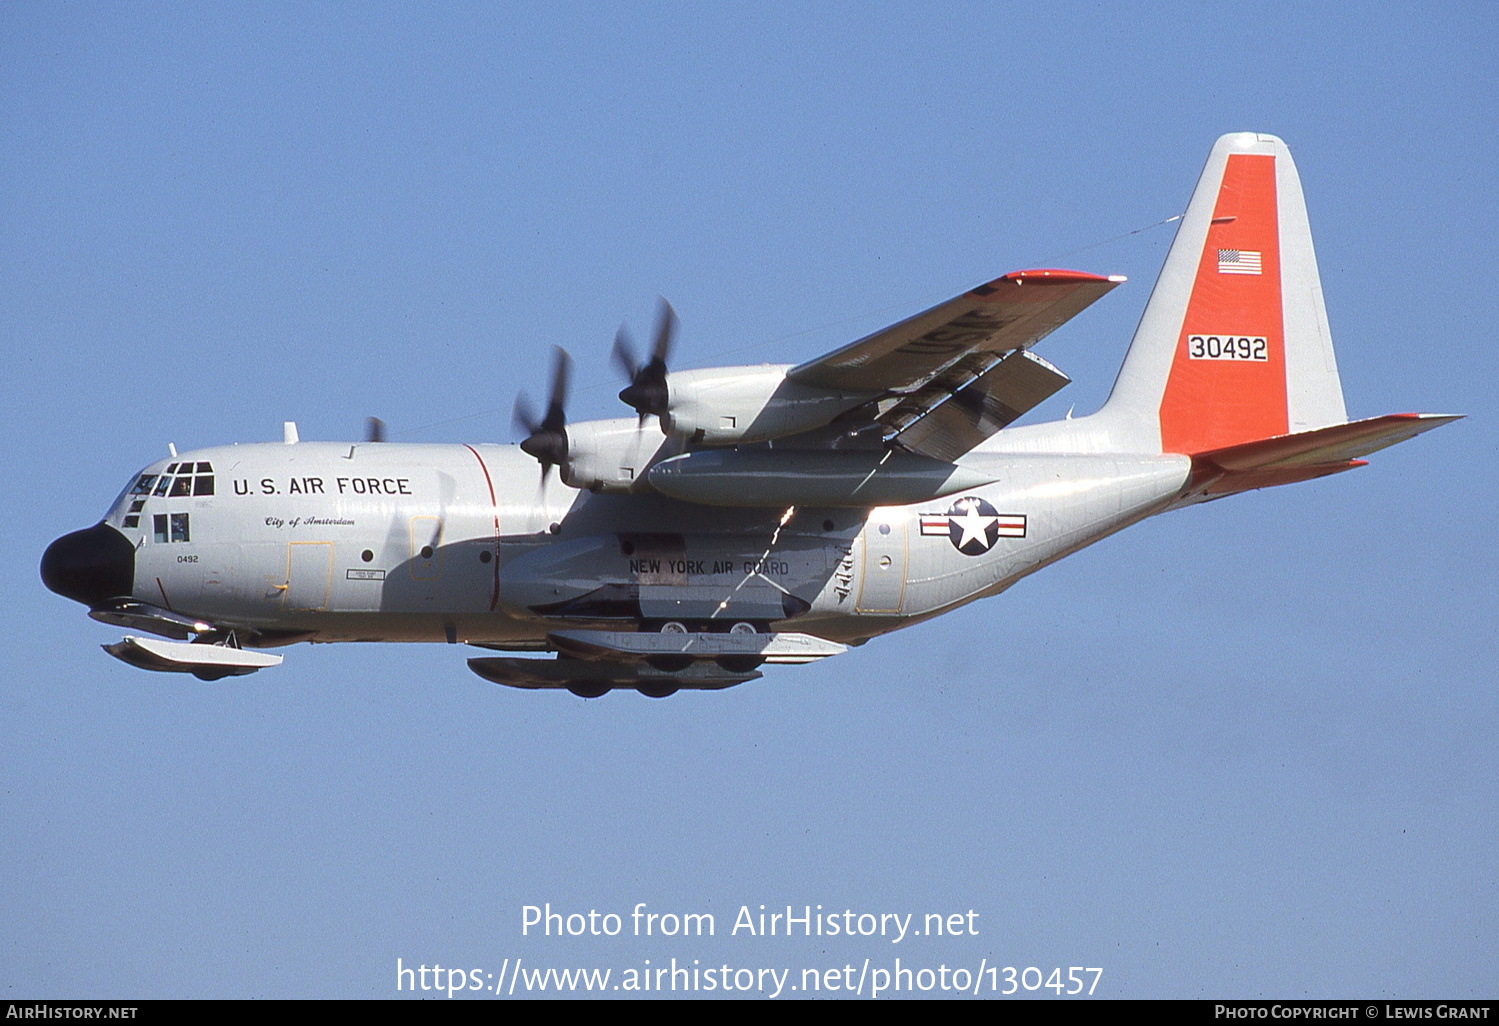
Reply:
x=91, y=565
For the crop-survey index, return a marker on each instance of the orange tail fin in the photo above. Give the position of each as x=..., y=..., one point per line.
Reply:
x=1233, y=346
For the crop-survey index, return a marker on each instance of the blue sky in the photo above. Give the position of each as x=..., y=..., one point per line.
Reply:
x=1240, y=750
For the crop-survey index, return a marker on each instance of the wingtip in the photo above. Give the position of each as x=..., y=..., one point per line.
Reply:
x=1056, y=274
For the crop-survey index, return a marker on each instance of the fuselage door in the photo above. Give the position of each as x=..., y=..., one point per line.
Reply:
x=309, y=575
x=882, y=581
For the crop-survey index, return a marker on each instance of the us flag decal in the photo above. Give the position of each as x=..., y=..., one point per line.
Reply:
x=1238, y=261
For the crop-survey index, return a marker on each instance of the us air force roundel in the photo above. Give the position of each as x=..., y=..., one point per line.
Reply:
x=973, y=526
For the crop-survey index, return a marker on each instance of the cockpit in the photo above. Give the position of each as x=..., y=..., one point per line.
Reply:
x=178, y=480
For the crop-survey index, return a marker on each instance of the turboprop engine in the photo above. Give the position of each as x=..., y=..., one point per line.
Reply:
x=736, y=405
x=722, y=405
x=726, y=408
x=612, y=455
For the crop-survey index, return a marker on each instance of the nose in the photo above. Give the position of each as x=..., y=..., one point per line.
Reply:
x=91, y=565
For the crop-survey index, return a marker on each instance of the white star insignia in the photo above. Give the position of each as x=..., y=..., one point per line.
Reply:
x=975, y=526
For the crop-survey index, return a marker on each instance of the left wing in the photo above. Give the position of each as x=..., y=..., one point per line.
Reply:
x=969, y=349
x=976, y=328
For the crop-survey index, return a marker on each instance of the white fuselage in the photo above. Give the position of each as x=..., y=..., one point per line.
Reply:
x=396, y=542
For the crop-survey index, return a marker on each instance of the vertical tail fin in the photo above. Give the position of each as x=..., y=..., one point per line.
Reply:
x=1234, y=344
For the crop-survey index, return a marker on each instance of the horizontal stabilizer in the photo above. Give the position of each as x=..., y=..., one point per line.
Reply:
x=1304, y=455
x=1334, y=444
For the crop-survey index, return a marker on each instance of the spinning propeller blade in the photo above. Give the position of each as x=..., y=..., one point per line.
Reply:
x=647, y=393
x=546, y=439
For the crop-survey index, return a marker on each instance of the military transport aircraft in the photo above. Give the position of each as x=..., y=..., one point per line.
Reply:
x=753, y=515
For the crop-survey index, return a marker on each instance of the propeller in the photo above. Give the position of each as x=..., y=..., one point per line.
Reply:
x=374, y=429
x=546, y=439
x=647, y=393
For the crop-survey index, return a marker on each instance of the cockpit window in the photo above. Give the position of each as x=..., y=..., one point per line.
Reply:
x=181, y=480
x=171, y=527
x=187, y=484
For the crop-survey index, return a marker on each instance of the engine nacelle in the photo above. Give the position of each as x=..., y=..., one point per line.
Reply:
x=733, y=405
x=612, y=455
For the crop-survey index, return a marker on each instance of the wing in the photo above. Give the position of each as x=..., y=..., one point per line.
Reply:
x=964, y=359
x=976, y=328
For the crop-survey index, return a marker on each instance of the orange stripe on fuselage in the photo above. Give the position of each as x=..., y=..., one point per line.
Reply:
x=1209, y=404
